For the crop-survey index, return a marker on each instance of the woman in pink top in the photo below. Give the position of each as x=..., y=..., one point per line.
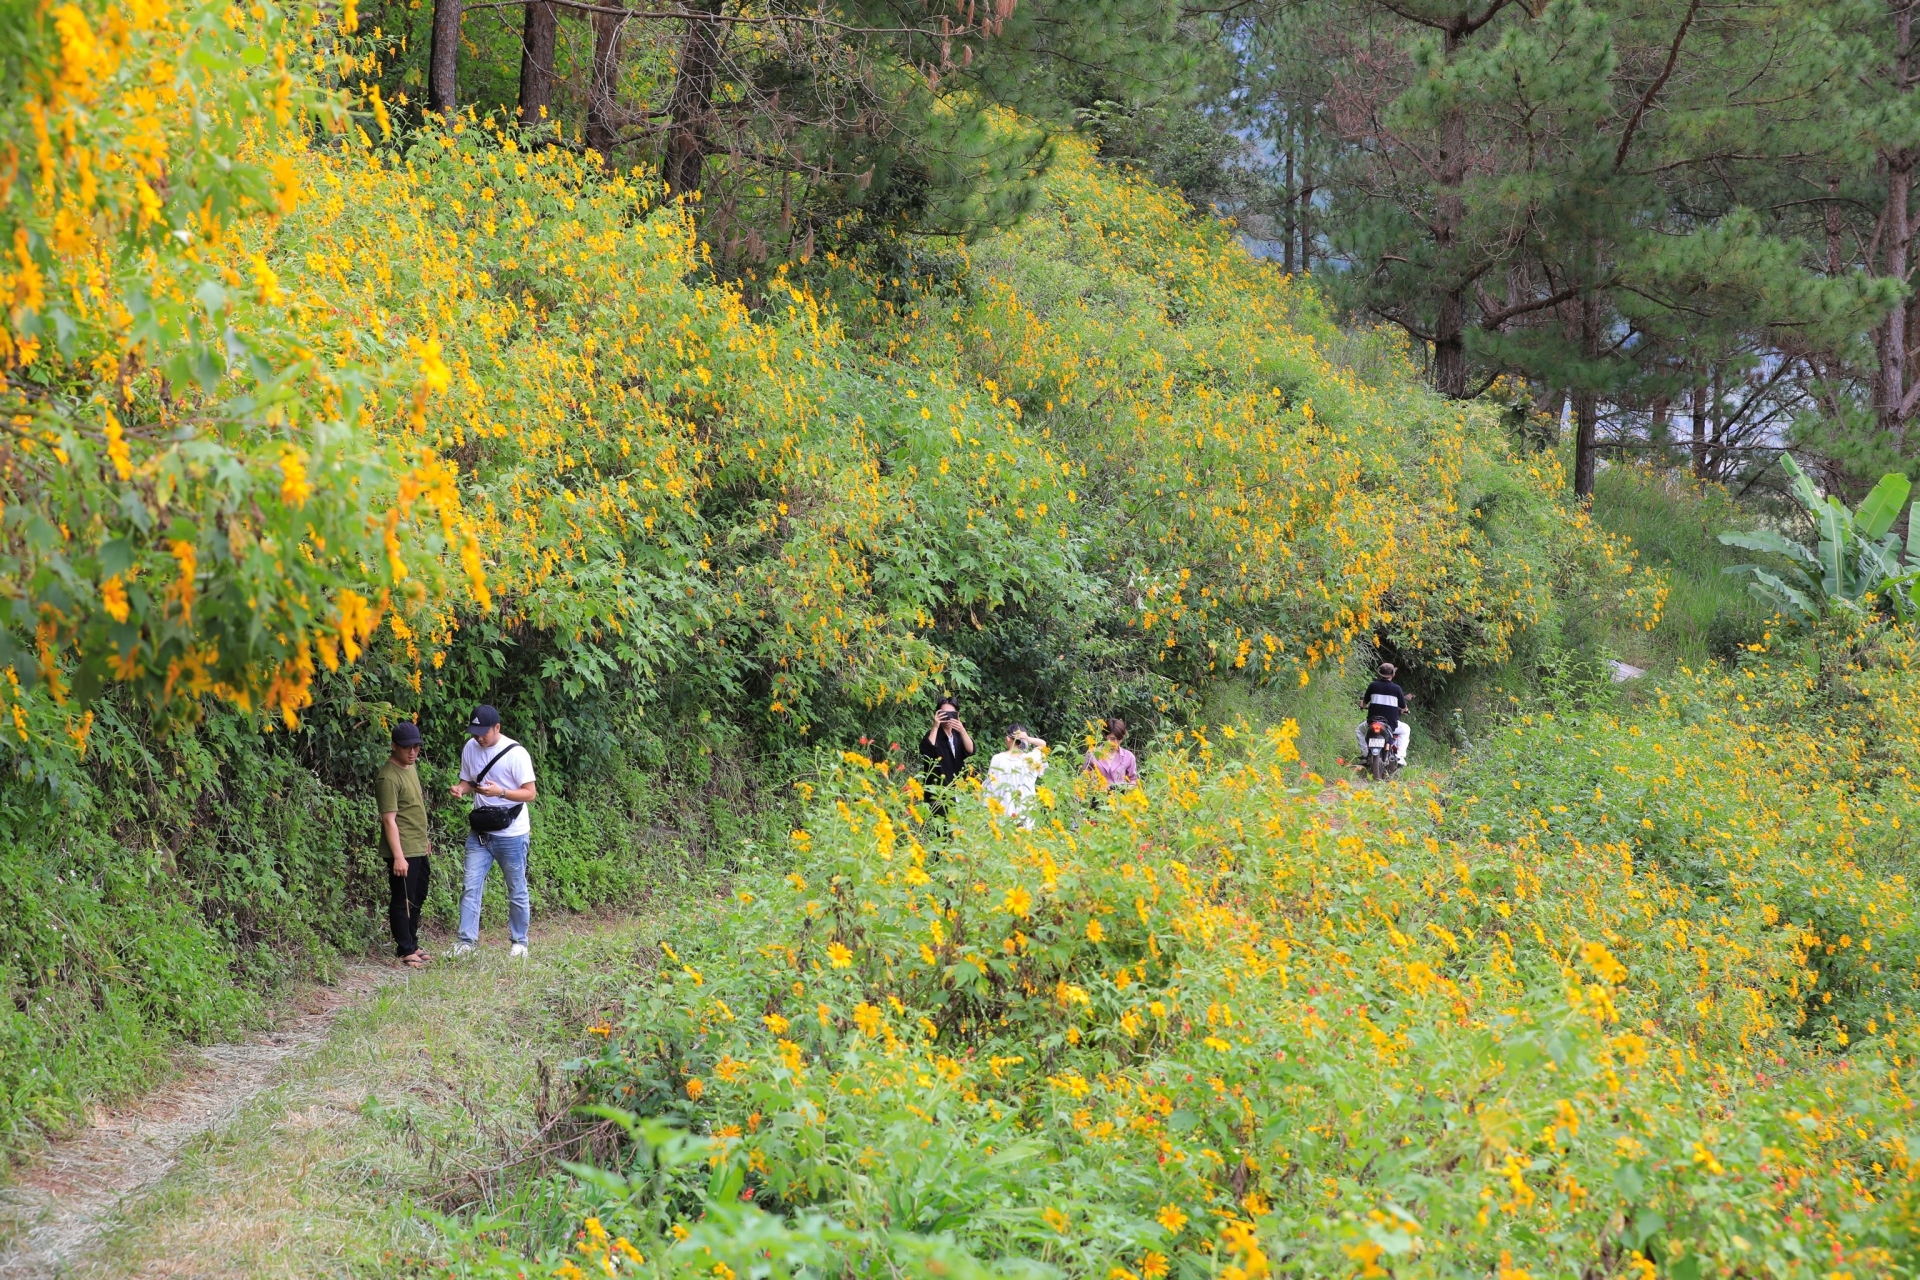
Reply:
x=1112, y=762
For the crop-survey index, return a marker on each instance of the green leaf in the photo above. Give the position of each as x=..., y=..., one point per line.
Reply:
x=1771, y=589
x=1768, y=540
x=1631, y=1181
x=1882, y=507
x=116, y=557
x=1835, y=525
x=1803, y=487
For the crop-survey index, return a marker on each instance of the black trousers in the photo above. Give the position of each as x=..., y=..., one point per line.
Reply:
x=404, y=896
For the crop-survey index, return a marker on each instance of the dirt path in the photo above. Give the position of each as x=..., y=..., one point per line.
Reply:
x=60, y=1203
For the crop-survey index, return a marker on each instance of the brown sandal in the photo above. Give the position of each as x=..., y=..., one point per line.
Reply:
x=414, y=961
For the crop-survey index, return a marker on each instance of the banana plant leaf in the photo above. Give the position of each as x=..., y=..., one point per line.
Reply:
x=1835, y=524
x=1882, y=507
x=1858, y=554
x=1900, y=593
x=1768, y=540
x=1880, y=561
x=1803, y=487
x=1770, y=589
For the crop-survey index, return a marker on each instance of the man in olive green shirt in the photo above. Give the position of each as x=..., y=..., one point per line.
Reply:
x=403, y=829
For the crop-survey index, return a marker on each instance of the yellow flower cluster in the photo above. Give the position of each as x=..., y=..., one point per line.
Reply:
x=1276, y=504
x=197, y=511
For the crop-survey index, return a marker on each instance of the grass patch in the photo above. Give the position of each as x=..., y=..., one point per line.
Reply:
x=1674, y=523
x=413, y=1105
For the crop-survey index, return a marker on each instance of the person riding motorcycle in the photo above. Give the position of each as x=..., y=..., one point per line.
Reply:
x=1386, y=701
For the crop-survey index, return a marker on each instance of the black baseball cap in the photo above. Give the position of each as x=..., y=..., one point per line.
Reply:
x=406, y=734
x=484, y=718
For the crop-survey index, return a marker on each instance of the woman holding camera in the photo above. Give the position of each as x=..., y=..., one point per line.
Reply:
x=1013, y=776
x=945, y=748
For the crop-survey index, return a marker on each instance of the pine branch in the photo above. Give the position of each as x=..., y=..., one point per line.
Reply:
x=1653, y=90
x=1498, y=318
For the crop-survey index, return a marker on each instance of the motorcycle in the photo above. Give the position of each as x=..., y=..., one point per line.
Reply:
x=1382, y=760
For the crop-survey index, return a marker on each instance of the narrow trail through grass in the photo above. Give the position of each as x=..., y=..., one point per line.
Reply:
x=407, y=1094
x=61, y=1202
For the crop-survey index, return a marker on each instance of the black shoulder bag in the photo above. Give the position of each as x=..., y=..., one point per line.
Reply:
x=485, y=819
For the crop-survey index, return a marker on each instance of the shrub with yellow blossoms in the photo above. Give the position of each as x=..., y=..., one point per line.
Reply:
x=834, y=492
x=193, y=504
x=1538, y=1031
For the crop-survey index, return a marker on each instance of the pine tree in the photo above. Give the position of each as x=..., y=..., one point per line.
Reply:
x=1564, y=193
x=790, y=120
x=1851, y=199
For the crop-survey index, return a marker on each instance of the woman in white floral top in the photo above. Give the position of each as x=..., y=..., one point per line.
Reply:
x=1014, y=774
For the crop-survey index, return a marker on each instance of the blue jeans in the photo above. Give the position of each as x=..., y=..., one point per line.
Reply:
x=482, y=852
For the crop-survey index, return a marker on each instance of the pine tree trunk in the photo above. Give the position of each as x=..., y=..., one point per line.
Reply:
x=1893, y=332
x=1291, y=262
x=1586, y=403
x=1306, y=206
x=1717, y=425
x=1896, y=234
x=1450, y=311
x=603, y=111
x=1450, y=346
x=690, y=110
x=1699, y=431
x=443, y=58
x=1835, y=264
x=538, y=36
x=1586, y=416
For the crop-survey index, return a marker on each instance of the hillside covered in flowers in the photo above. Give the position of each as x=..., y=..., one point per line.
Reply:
x=1629, y=998
x=318, y=420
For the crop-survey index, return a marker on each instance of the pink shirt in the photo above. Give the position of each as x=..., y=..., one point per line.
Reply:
x=1115, y=764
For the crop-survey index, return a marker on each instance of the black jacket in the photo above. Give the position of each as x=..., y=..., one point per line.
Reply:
x=945, y=756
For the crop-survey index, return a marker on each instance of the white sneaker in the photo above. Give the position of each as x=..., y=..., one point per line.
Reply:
x=517, y=951
x=461, y=949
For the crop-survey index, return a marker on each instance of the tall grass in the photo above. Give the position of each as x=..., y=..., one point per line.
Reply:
x=1674, y=524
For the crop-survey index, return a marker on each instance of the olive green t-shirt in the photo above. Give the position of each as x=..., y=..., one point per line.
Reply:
x=396, y=790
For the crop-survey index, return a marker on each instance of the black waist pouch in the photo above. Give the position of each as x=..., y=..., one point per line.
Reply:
x=485, y=819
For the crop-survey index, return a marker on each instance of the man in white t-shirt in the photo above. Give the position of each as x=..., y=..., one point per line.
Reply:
x=1013, y=776
x=498, y=773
